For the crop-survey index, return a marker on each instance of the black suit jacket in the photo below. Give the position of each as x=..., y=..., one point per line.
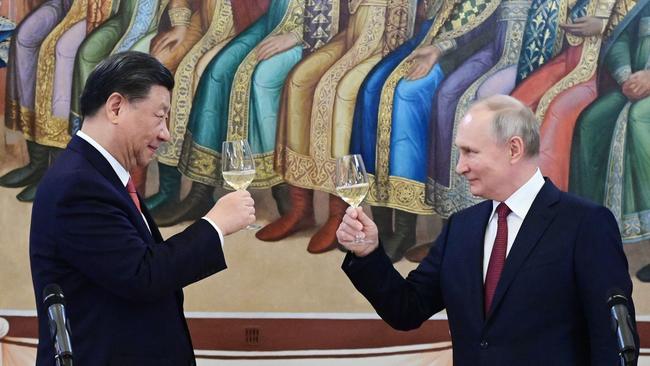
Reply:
x=550, y=303
x=122, y=283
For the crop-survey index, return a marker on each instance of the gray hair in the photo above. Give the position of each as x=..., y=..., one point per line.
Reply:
x=512, y=118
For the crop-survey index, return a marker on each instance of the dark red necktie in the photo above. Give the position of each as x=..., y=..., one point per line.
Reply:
x=130, y=187
x=498, y=256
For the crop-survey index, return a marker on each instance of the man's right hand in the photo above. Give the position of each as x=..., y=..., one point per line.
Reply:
x=356, y=224
x=233, y=212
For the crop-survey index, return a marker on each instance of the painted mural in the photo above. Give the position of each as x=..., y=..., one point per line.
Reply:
x=308, y=81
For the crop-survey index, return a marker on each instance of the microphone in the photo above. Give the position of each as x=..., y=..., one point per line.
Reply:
x=59, y=326
x=623, y=326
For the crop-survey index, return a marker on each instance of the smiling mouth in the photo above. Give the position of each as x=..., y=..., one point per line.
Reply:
x=153, y=148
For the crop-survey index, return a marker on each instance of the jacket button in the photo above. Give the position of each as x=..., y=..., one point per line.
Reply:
x=484, y=344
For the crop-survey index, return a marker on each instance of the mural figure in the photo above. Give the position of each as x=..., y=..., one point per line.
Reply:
x=316, y=114
x=238, y=98
x=21, y=85
x=54, y=76
x=218, y=27
x=132, y=27
x=611, y=145
x=566, y=85
x=393, y=112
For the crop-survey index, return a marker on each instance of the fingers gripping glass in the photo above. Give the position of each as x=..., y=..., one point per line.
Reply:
x=238, y=167
x=352, y=182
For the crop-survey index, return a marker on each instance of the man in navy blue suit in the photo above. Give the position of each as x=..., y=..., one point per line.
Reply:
x=92, y=235
x=524, y=276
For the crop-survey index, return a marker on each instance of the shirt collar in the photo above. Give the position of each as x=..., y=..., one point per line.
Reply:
x=521, y=201
x=121, y=172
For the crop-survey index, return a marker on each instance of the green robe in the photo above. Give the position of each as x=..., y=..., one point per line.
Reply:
x=211, y=119
x=610, y=158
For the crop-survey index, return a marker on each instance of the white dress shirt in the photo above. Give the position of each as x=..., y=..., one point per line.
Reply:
x=519, y=203
x=124, y=175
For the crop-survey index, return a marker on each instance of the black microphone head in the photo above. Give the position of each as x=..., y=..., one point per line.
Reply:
x=52, y=294
x=616, y=297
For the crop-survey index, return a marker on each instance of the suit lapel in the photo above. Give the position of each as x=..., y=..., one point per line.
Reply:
x=475, y=237
x=100, y=163
x=537, y=220
x=152, y=224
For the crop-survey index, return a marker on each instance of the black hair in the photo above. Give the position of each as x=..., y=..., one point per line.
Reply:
x=129, y=73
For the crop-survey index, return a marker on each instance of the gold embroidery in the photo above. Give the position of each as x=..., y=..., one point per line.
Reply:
x=48, y=129
x=204, y=165
x=220, y=31
x=403, y=194
x=621, y=8
x=179, y=16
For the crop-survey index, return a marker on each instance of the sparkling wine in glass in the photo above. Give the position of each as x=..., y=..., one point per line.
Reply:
x=351, y=181
x=238, y=167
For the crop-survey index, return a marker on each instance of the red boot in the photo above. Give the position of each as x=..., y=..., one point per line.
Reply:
x=300, y=217
x=325, y=238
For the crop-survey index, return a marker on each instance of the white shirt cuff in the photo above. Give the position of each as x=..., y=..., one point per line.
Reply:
x=215, y=227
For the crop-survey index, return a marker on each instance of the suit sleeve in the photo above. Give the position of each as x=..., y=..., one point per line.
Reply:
x=95, y=235
x=601, y=266
x=403, y=303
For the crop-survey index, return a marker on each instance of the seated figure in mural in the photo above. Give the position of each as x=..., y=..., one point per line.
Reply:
x=611, y=142
x=396, y=97
x=527, y=35
x=566, y=85
x=21, y=86
x=317, y=111
x=220, y=20
x=132, y=27
x=52, y=93
x=237, y=98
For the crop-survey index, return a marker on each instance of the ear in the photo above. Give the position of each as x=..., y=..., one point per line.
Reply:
x=516, y=149
x=114, y=106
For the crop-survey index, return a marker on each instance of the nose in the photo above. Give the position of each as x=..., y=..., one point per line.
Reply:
x=461, y=166
x=164, y=134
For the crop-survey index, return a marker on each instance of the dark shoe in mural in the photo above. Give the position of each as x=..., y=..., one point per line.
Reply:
x=28, y=194
x=383, y=218
x=300, y=217
x=169, y=190
x=644, y=273
x=280, y=194
x=31, y=173
x=417, y=253
x=403, y=237
x=197, y=203
x=325, y=238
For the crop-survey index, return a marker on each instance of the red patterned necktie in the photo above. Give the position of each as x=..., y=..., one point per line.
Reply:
x=130, y=187
x=498, y=256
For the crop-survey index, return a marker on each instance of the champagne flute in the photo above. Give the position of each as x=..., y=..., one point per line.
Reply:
x=238, y=167
x=352, y=182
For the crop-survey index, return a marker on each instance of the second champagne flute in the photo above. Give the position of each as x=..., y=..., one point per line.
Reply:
x=351, y=182
x=238, y=167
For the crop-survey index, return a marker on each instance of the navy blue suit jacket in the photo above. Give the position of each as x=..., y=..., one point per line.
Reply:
x=550, y=303
x=122, y=283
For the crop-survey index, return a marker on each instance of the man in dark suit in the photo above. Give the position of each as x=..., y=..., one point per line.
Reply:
x=92, y=235
x=524, y=276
